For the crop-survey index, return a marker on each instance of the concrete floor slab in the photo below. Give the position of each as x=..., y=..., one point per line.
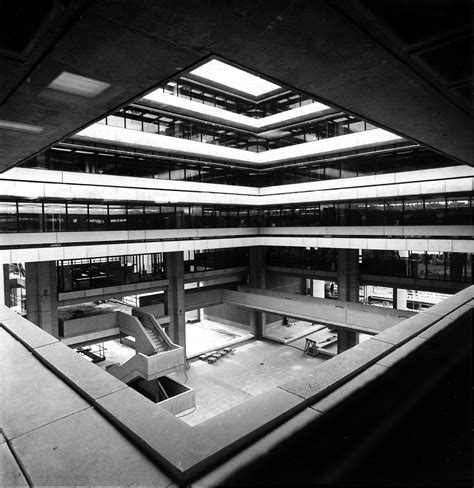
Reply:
x=207, y=335
x=293, y=331
x=85, y=449
x=33, y=336
x=152, y=427
x=31, y=395
x=252, y=369
x=401, y=352
x=10, y=472
x=258, y=449
x=349, y=388
x=336, y=370
x=73, y=368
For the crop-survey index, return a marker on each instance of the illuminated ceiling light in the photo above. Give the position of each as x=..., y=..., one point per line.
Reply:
x=7, y=124
x=78, y=85
x=235, y=78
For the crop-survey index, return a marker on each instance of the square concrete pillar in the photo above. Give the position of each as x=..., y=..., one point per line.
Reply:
x=345, y=340
x=174, y=262
x=348, y=291
x=257, y=279
x=5, y=285
x=348, y=275
x=42, y=295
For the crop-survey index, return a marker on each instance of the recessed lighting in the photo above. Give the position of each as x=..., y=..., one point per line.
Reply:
x=6, y=124
x=78, y=85
x=235, y=78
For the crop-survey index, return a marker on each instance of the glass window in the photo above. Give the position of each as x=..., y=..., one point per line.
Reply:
x=232, y=217
x=435, y=266
x=8, y=217
x=394, y=212
x=81, y=274
x=64, y=276
x=328, y=214
x=77, y=217
x=243, y=217
x=54, y=217
x=30, y=217
x=195, y=216
x=375, y=213
x=117, y=217
x=457, y=266
x=208, y=217
x=312, y=215
x=358, y=213
x=413, y=211
x=417, y=265
x=168, y=217
x=435, y=211
x=98, y=218
x=135, y=217
x=342, y=214
x=458, y=211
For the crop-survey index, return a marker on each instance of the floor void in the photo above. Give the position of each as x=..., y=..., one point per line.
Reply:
x=253, y=368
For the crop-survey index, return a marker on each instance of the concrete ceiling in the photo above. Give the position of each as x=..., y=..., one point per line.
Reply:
x=349, y=54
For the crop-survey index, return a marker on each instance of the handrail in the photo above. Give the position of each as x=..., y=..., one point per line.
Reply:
x=135, y=328
x=150, y=318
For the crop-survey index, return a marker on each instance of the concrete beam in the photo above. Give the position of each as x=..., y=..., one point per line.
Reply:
x=342, y=315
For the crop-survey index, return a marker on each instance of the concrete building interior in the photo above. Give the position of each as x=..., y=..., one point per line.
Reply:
x=236, y=242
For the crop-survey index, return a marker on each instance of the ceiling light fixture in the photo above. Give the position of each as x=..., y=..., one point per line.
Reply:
x=7, y=124
x=78, y=85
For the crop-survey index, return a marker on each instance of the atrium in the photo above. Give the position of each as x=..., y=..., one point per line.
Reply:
x=236, y=244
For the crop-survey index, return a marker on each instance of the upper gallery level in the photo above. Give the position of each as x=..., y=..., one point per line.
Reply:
x=193, y=127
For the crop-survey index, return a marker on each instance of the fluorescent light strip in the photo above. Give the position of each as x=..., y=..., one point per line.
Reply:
x=7, y=124
x=235, y=78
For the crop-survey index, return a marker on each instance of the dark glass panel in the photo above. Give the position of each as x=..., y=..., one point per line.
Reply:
x=375, y=213
x=77, y=217
x=394, y=212
x=117, y=217
x=435, y=266
x=135, y=217
x=54, y=217
x=8, y=217
x=435, y=211
x=98, y=217
x=458, y=211
x=30, y=217
x=413, y=211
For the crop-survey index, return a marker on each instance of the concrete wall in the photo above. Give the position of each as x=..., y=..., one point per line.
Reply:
x=229, y=315
x=284, y=284
x=85, y=325
x=157, y=309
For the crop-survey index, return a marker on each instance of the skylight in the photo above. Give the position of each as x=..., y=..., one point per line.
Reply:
x=235, y=78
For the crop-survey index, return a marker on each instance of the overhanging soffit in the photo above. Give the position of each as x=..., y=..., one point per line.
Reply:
x=64, y=65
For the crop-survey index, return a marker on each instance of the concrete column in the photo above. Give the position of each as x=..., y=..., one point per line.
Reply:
x=318, y=288
x=257, y=279
x=401, y=298
x=348, y=274
x=42, y=295
x=345, y=340
x=348, y=290
x=5, y=285
x=174, y=262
